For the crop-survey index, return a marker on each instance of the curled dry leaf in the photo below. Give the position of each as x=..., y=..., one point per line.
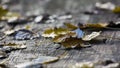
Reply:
x=54, y=32
x=91, y=36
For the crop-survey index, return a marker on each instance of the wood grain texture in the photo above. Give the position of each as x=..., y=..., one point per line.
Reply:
x=109, y=49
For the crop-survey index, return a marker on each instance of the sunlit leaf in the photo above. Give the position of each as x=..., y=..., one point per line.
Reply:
x=105, y=6
x=91, y=36
x=10, y=16
x=54, y=32
x=83, y=65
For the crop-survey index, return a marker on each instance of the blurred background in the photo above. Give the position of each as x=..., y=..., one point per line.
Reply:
x=35, y=7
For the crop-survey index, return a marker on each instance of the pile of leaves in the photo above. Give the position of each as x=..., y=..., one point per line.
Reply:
x=72, y=36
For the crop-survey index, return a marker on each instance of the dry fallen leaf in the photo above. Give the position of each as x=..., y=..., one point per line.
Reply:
x=70, y=26
x=116, y=9
x=73, y=43
x=61, y=38
x=3, y=11
x=54, y=32
x=97, y=25
x=91, y=36
x=85, y=26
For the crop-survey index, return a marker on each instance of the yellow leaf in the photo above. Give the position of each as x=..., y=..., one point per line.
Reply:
x=54, y=32
x=3, y=11
x=116, y=10
x=70, y=26
x=85, y=26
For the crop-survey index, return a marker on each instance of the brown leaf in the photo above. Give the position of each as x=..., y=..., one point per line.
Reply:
x=72, y=43
x=61, y=38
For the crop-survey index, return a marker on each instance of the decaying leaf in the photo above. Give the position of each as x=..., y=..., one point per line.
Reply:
x=73, y=43
x=54, y=32
x=72, y=36
x=36, y=63
x=61, y=38
x=91, y=36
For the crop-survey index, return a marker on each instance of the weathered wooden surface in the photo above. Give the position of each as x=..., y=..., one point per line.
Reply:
x=110, y=49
